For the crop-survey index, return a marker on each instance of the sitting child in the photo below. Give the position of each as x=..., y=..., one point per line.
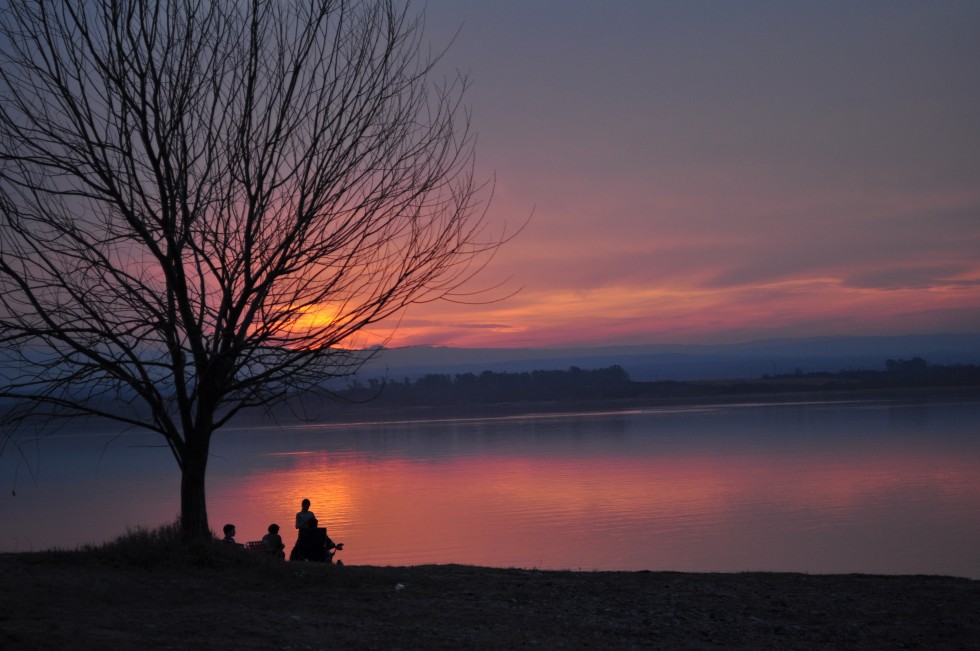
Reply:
x=274, y=542
x=229, y=538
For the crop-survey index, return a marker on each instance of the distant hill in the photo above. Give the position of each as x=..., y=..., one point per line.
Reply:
x=685, y=362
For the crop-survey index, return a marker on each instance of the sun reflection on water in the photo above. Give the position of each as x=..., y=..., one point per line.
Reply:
x=800, y=488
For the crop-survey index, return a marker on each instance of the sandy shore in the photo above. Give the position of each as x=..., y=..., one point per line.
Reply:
x=72, y=601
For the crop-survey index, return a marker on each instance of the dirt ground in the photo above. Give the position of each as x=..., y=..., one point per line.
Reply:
x=68, y=601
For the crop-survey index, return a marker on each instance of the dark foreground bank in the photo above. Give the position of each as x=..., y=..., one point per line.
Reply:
x=73, y=600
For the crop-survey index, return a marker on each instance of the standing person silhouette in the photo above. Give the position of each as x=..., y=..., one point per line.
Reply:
x=312, y=541
x=305, y=515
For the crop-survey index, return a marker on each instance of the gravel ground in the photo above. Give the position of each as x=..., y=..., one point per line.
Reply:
x=73, y=601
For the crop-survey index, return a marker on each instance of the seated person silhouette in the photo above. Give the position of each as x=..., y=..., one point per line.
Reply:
x=273, y=541
x=229, y=538
x=314, y=544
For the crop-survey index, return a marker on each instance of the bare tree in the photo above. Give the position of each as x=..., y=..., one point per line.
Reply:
x=203, y=203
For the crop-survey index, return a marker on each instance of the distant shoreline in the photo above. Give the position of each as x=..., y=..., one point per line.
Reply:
x=336, y=413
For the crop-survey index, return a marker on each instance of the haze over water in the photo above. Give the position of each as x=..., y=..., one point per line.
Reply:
x=876, y=487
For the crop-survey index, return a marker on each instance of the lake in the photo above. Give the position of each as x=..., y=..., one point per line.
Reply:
x=889, y=487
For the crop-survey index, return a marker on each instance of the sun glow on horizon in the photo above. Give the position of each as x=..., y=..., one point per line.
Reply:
x=313, y=317
x=328, y=319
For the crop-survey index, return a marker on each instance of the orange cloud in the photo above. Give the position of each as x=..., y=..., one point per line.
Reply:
x=692, y=314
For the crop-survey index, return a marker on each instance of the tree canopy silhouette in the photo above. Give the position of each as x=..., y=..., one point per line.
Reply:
x=203, y=203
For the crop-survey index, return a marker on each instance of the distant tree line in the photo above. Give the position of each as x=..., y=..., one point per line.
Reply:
x=901, y=373
x=614, y=383
x=492, y=387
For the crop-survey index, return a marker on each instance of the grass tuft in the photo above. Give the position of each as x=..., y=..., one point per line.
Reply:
x=165, y=546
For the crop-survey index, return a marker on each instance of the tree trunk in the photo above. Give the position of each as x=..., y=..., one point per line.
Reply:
x=193, y=506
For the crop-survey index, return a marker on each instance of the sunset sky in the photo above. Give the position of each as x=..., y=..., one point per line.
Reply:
x=710, y=172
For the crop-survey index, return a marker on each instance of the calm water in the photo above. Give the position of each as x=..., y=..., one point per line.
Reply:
x=873, y=487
